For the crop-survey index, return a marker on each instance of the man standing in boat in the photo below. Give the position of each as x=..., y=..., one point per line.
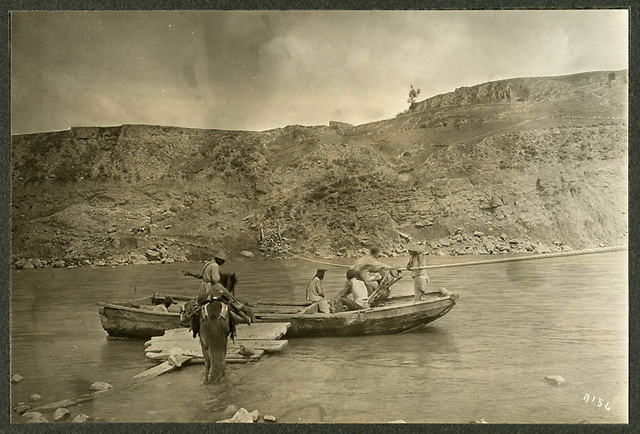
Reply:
x=416, y=265
x=315, y=293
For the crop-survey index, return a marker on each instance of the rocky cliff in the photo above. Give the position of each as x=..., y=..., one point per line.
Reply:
x=515, y=165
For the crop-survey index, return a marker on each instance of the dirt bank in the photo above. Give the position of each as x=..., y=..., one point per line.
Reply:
x=514, y=166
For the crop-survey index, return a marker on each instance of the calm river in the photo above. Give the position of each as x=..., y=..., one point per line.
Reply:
x=514, y=324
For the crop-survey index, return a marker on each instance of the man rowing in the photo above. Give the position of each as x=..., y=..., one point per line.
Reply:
x=370, y=264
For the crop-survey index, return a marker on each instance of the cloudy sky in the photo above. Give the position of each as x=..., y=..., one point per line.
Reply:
x=262, y=70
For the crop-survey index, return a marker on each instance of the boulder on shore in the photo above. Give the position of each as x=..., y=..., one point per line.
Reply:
x=35, y=397
x=152, y=255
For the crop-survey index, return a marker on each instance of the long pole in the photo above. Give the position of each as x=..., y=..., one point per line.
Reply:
x=531, y=257
x=496, y=261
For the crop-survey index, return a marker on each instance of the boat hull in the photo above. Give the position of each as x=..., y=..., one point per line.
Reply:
x=119, y=321
x=391, y=319
x=396, y=316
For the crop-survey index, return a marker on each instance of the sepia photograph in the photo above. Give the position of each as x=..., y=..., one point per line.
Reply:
x=319, y=217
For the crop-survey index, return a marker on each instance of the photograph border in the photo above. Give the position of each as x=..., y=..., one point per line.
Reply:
x=5, y=212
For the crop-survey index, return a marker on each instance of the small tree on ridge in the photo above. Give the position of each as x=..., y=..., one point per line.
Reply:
x=413, y=94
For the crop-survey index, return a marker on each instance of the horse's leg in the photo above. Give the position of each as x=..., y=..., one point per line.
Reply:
x=218, y=347
x=205, y=351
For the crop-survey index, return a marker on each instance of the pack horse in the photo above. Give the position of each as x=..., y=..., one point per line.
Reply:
x=215, y=326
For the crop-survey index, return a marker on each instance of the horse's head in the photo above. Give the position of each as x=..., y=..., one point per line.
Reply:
x=228, y=280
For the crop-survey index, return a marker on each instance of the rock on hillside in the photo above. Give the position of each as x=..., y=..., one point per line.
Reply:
x=541, y=161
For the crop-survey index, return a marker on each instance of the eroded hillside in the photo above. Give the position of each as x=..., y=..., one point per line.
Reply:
x=524, y=164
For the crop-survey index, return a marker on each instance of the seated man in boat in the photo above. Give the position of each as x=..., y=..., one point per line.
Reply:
x=168, y=301
x=370, y=264
x=315, y=292
x=358, y=290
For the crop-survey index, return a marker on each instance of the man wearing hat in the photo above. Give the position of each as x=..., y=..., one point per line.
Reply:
x=418, y=273
x=211, y=272
x=316, y=294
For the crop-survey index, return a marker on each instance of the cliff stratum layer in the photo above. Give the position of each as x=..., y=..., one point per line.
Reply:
x=513, y=165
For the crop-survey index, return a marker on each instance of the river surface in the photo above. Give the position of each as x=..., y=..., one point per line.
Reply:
x=514, y=324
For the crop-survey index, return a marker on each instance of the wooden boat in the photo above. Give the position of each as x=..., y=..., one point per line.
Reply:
x=136, y=318
x=394, y=315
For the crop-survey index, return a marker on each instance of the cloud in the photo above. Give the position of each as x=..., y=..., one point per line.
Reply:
x=260, y=70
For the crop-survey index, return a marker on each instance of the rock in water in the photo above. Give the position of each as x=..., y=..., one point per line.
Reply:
x=269, y=418
x=81, y=418
x=247, y=254
x=555, y=380
x=397, y=421
x=40, y=419
x=242, y=416
x=61, y=414
x=21, y=408
x=100, y=386
x=35, y=397
x=255, y=414
x=16, y=378
x=30, y=415
x=230, y=411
